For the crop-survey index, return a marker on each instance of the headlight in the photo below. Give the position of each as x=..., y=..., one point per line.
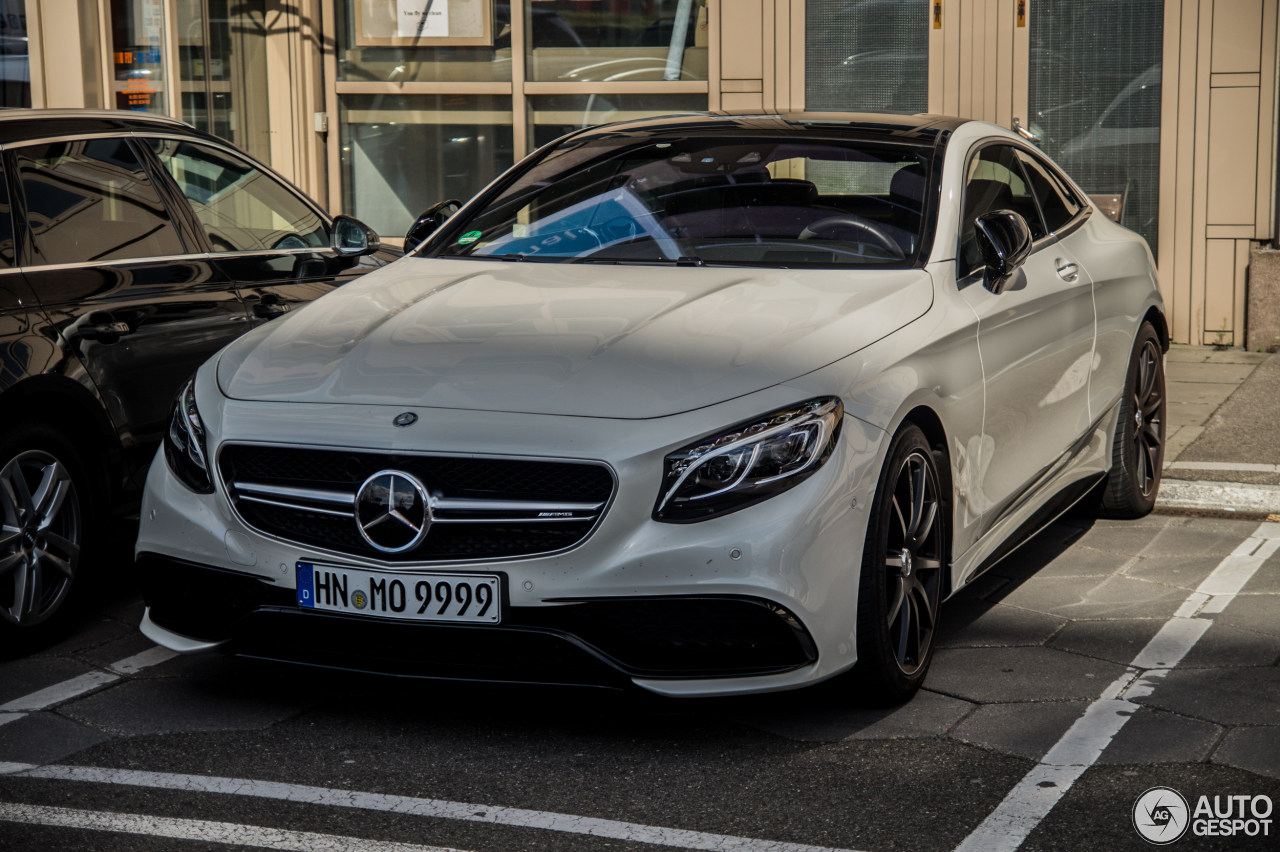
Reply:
x=184, y=442
x=748, y=463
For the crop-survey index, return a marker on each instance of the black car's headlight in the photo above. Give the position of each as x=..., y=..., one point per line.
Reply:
x=748, y=463
x=184, y=442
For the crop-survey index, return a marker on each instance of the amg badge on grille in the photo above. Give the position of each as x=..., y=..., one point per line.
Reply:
x=393, y=511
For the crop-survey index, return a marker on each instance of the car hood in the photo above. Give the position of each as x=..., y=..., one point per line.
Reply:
x=567, y=339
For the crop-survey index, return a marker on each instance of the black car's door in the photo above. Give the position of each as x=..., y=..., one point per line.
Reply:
x=260, y=232
x=108, y=263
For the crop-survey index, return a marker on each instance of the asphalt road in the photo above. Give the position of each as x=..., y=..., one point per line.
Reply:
x=139, y=759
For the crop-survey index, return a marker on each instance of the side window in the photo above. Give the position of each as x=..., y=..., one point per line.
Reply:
x=91, y=200
x=8, y=256
x=995, y=182
x=1057, y=202
x=240, y=207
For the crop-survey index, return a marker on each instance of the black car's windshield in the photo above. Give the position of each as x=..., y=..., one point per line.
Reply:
x=710, y=199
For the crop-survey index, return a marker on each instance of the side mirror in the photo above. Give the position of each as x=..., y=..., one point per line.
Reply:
x=1005, y=241
x=431, y=219
x=352, y=237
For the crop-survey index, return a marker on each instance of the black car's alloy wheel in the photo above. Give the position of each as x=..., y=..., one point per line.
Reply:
x=900, y=592
x=40, y=537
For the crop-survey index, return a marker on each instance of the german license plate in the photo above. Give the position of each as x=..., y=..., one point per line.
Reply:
x=469, y=598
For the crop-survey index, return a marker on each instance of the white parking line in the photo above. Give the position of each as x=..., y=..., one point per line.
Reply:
x=202, y=830
x=6, y=718
x=1031, y=799
x=436, y=808
x=68, y=689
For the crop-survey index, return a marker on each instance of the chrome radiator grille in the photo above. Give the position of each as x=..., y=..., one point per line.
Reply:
x=481, y=508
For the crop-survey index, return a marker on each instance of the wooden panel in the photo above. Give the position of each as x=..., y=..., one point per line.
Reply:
x=1233, y=156
x=1233, y=232
x=742, y=102
x=1200, y=167
x=1219, y=307
x=991, y=72
x=951, y=70
x=739, y=85
x=768, y=54
x=797, y=54
x=937, y=63
x=781, y=30
x=713, y=56
x=964, y=103
x=1022, y=66
x=1223, y=81
x=1004, y=65
x=1243, y=248
x=743, y=29
x=1237, y=36
x=1264, y=218
x=1169, y=158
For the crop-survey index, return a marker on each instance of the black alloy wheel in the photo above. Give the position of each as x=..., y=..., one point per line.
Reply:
x=900, y=593
x=39, y=536
x=1137, y=456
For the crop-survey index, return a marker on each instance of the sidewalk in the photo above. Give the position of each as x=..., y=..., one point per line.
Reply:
x=1223, y=450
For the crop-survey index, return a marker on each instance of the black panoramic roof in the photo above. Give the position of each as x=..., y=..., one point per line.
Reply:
x=17, y=125
x=924, y=128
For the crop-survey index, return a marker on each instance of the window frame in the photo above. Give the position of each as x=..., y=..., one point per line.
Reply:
x=25, y=247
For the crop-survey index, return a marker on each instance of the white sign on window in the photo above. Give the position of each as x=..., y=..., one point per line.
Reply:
x=422, y=18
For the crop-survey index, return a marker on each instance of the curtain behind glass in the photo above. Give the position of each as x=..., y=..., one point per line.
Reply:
x=867, y=55
x=1094, y=100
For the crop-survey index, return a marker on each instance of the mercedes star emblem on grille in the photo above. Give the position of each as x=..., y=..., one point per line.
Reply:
x=406, y=419
x=393, y=511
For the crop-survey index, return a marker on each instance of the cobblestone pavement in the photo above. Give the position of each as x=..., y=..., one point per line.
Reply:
x=129, y=755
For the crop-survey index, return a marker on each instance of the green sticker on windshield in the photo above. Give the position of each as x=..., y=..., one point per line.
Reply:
x=468, y=238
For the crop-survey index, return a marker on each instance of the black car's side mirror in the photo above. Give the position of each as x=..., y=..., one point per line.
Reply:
x=431, y=219
x=1004, y=239
x=352, y=237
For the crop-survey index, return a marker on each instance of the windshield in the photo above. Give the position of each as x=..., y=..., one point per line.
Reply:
x=709, y=199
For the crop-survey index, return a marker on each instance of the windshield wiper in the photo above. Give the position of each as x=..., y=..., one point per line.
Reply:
x=641, y=261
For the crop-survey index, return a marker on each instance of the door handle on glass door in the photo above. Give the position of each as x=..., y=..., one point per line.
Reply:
x=1067, y=271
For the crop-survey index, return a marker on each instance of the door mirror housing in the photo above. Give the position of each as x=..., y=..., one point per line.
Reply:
x=351, y=237
x=429, y=222
x=1004, y=239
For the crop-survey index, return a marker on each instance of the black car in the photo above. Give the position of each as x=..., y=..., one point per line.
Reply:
x=132, y=248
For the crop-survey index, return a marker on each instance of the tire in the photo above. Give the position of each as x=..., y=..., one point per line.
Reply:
x=901, y=584
x=48, y=523
x=1137, y=453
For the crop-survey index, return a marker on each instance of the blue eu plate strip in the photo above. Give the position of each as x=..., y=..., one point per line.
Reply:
x=306, y=585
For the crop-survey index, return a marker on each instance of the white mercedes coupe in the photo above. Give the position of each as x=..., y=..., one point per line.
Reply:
x=705, y=404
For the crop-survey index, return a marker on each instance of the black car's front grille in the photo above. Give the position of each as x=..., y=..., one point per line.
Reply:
x=483, y=508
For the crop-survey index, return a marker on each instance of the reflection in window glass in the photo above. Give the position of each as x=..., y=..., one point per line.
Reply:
x=403, y=153
x=995, y=182
x=91, y=200
x=137, y=37
x=552, y=116
x=867, y=55
x=720, y=199
x=585, y=41
x=466, y=63
x=1095, y=100
x=15, y=68
x=240, y=207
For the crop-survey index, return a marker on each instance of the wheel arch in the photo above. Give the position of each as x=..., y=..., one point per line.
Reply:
x=1156, y=317
x=927, y=420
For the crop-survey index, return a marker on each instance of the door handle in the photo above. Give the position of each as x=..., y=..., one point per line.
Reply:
x=267, y=310
x=1067, y=271
x=101, y=325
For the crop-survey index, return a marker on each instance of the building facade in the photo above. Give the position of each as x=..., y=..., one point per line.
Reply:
x=1163, y=110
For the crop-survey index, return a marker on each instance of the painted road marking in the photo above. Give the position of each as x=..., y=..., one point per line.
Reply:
x=6, y=718
x=439, y=809
x=201, y=830
x=77, y=686
x=1031, y=799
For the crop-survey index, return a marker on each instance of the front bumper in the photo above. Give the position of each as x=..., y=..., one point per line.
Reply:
x=603, y=642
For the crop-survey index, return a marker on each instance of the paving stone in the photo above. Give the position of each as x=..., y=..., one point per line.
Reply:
x=1241, y=696
x=1184, y=371
x=1078, y=561
x=1092, y=597
x=1199, y=392
x=45, y=738
x=1260, y=613
x=24, y=676
x=128, y=612
x=1254, y=749
x=1189, y=413
x=978, y=624
x=1025, y=729
x=133, y=642
x=1213, y=540
x=1153, y=737
x=92, y=632
x=1118, y=641
x=927, y=715
x=1180, y=437
x=1267, y=579
x=988, y=675
x=1128, y=537
x=1186, y=572
x=171, y=705
x=1222, y=646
